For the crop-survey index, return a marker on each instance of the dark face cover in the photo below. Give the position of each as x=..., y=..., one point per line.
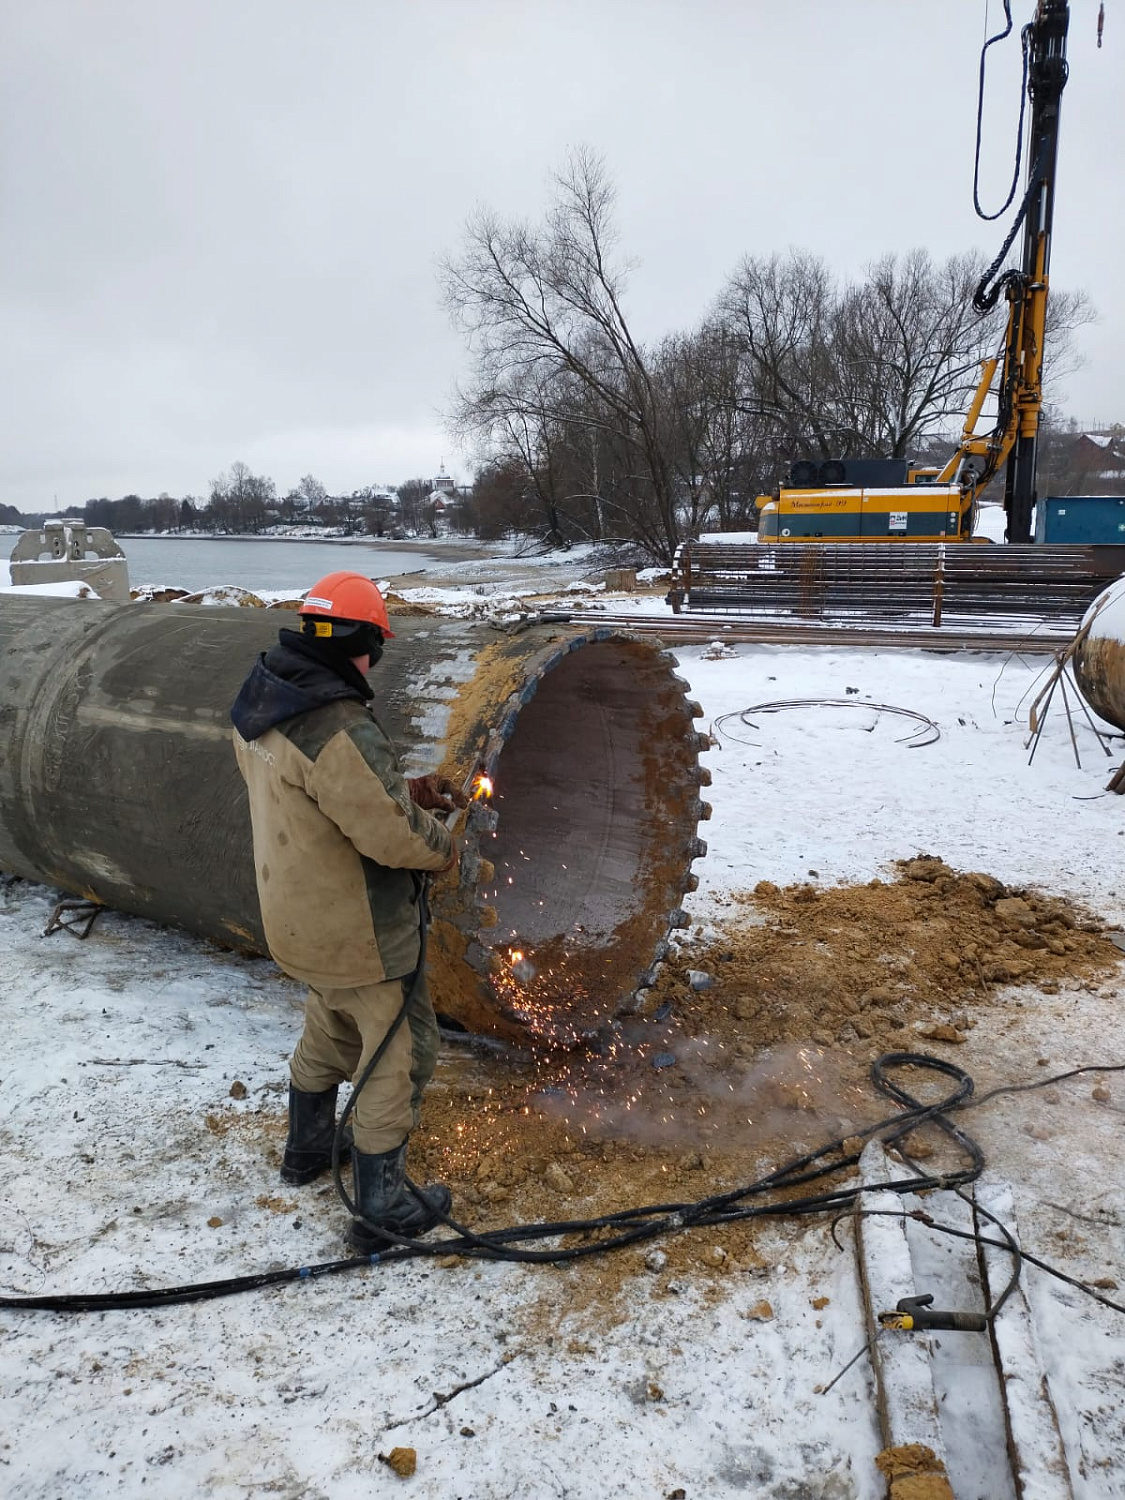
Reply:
x=345, y=638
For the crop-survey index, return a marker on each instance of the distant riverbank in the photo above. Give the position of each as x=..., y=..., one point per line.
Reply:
x=246, y=536
x=444, y=548
x=268, y=564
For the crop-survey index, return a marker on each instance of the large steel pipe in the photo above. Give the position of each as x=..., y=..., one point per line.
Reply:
x=118, y=782
x=1099, y=660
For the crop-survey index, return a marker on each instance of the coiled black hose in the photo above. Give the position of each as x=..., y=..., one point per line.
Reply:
x=769, y=1196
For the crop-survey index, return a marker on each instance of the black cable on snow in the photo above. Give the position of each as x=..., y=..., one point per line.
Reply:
x=763, y=1198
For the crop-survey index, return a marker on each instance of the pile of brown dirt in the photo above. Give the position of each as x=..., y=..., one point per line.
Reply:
x=863, y=963
x=397, y=605
x=158, y=596
x=707, y=1090
x=914, y=1472
x=222, y=593
x=524, y=1141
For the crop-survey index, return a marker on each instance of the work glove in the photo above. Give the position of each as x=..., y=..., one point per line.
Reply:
x=436, y=793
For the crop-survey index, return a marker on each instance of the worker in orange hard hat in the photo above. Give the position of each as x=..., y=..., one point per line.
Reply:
x=342, y=844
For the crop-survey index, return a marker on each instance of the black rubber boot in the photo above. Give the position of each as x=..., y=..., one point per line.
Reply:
x=312, y=1124
x=382, y=1198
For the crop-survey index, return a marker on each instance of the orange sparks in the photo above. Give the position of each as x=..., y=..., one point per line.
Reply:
x=482, y=787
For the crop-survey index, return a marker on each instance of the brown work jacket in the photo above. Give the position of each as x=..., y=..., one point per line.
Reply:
x=338, y=846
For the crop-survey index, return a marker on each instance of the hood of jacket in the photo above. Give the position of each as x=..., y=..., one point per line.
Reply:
x=291, y=678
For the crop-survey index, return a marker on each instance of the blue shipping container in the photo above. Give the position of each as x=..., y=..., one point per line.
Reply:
x=1080, y=518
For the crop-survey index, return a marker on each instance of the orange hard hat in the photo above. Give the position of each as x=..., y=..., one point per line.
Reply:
x=346, y=596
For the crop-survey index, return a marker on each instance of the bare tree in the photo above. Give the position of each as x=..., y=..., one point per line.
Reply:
x=908, y=348
x=544, y=314
x=878, y=366
x=1067, y=312
x=522, y=431
x=307, y=496
x=616, y=439
x=240, y=500
x=782, y=310
x=373, y=505
x=499, y=504
x=724, y=449
x=412, y=498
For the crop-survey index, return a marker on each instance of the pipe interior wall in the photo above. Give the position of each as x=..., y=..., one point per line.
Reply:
x=595, y=798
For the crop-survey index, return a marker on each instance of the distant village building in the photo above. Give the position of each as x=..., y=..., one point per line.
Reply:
x=444, y=499
x=1099, y=455
x=1082, y=461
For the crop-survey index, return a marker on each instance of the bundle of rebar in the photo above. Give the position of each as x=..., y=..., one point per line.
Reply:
x=923, y=583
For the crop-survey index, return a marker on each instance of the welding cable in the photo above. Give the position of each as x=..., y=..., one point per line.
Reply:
x=926, y=726
x=1011, y=1244
x=1042, y=1083
x=730, y=1207
x=632, y=1225
x=976, y=1238
x=1025, y=1255
x=636, y=1225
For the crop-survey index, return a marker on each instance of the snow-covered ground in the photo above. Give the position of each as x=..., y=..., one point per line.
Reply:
x=126, y=1161
x=842, y=789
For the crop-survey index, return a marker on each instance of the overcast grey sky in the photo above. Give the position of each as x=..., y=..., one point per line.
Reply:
x=221, y=219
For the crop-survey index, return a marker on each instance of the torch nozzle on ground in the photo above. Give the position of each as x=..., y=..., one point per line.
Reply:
x=917, y=1315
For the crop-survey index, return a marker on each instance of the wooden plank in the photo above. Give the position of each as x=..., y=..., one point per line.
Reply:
x=1034, y=1441
x=966, y=1382
x=907, y=1405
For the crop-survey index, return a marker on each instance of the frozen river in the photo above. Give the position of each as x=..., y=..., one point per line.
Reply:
x=199, y=562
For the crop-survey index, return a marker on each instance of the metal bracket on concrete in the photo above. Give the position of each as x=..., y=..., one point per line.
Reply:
x=75, y=917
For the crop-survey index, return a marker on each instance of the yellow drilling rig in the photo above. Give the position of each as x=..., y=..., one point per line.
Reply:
x=849, y=500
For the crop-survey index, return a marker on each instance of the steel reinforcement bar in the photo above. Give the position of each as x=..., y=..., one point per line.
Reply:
x=935, y=584
x=700, y=629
